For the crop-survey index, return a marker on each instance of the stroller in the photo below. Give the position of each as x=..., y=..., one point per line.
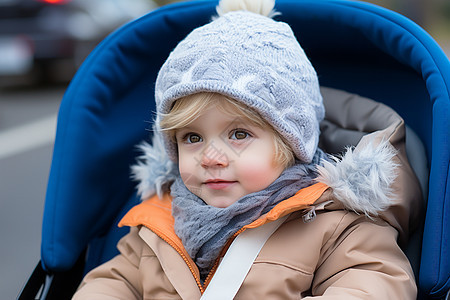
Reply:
x=354, y=46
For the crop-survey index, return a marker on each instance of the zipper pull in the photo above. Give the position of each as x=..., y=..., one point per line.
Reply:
x=309, y=215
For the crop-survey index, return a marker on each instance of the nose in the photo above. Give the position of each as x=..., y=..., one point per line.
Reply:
x=214, y=157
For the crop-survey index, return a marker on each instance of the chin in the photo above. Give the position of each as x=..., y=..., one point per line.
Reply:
x=220, y=203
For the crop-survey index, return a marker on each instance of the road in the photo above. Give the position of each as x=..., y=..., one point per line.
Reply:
x=27, y=129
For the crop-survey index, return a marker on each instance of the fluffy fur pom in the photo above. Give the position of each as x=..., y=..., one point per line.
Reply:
x=362, y=179
x=262, y=7
x=154, y=170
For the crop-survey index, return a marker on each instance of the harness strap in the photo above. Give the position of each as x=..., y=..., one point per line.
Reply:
x=238, y=260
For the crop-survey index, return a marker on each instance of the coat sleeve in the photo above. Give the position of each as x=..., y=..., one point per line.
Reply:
x=117, y=278
x=364, y=261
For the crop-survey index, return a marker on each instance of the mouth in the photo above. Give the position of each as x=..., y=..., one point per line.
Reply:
x=218, y=184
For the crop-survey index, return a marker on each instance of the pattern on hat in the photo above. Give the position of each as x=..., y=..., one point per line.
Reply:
x=256, y=61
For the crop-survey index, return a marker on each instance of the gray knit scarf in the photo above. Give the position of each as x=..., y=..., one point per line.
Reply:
x=205, y=229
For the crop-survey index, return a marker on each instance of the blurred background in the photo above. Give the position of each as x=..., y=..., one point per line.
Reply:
x=42, y=43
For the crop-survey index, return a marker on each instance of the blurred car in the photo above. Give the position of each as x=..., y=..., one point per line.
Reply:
x=50, y=38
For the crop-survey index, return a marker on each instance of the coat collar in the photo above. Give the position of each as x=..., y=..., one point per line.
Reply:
x=156, y=215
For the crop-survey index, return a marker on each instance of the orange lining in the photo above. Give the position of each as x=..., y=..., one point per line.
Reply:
x=301, y=200
x=156, y=214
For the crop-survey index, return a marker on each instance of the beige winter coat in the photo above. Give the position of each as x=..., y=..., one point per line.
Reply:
x=340, y=254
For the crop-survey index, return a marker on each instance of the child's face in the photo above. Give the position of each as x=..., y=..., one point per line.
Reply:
x=223, y=158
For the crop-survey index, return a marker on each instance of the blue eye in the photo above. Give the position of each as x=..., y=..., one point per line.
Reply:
x=239, y=134
x=193, y=138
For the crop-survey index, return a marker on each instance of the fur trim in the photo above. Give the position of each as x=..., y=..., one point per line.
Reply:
x=154, y=170
x=362, y=178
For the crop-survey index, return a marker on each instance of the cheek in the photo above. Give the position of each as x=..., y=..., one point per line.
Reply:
x=183, y=167
x=186, y=166
x=259, y=173
x=190, y=180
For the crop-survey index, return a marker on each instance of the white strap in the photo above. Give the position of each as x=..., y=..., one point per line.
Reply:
x=238, y=260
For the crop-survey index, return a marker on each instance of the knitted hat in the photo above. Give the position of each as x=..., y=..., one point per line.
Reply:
x=255, y=60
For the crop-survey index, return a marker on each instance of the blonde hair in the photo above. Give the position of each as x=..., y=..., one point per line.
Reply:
x=187, y=109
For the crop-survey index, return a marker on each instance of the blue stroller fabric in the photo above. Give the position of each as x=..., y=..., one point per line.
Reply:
x=108, y=109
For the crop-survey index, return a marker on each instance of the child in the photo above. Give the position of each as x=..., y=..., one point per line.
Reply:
x=238, y=114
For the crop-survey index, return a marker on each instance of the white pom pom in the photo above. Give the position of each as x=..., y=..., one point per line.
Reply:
x=262, y=7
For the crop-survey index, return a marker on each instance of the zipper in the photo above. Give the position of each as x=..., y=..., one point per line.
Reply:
x=186, y=260
x=310, y=212
x=218, y=260
x=188, y=263
x=309, y=216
